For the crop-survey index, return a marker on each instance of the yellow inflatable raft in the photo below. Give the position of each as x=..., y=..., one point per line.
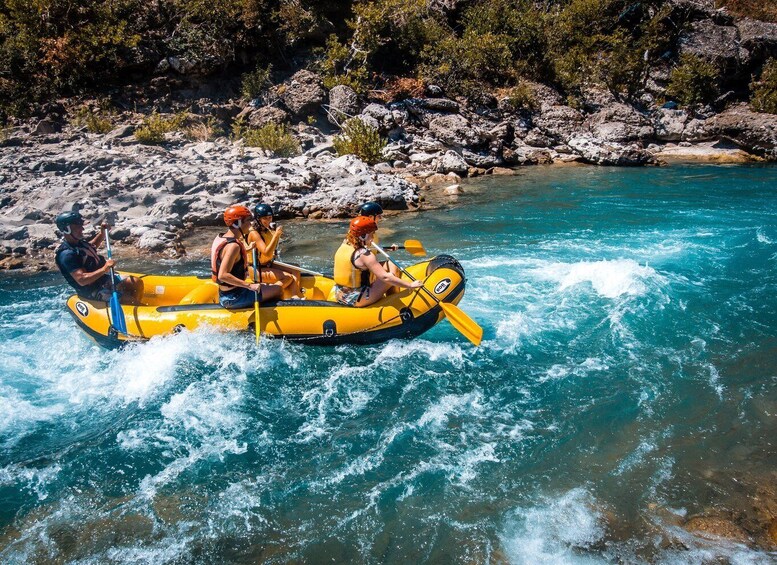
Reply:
x=172, y=304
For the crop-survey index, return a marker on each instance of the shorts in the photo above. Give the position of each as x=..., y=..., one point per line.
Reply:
x=237, y=298
x=348, y=296
x=103, y=292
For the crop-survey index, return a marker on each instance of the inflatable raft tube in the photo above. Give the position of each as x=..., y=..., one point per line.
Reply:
x=171, y=304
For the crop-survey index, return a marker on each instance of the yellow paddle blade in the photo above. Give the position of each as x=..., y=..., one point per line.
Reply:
x=466, y=325
x=257, y=329
x=414, y=247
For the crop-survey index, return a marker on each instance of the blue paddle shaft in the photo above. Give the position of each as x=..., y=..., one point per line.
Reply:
x=117, y=314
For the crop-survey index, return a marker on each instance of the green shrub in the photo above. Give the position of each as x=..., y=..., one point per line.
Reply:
x=764, y=97
x=522, y=97
x=360, y=139
x=256, y=82
x=340, y=65
x=100, y=121
x=693, y=82
x=155, y=126
x=276, y=139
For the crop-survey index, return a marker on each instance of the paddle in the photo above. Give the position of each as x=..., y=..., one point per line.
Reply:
x=414, y=247
x=458, y=319
x=117, y=314
x=300, y=269
x=256, y=296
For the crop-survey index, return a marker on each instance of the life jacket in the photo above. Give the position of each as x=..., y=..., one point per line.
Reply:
x=239, y=269
x=346, y=272
x=266, y=238
x=90, y=260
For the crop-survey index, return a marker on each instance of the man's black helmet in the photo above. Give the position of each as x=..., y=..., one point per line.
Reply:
x=370, y=209
x=262, y=210
x=67, y=219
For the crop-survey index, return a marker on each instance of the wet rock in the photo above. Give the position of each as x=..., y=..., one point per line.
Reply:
x=12, y=263
x=453, y=190
x=713, y=527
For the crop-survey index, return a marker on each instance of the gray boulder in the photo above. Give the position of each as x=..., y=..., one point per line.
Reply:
x=754, y=132
x=343, y=104
x=598, y=152
x=454, y=130
x=619, y=122
x=759, y=38
x=559, y=122
x=716, y=44
x=669, y=124
x=268, y=114
x=451, y=162
x=304, y=94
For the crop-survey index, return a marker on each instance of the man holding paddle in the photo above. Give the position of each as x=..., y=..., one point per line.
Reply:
x=84, y=268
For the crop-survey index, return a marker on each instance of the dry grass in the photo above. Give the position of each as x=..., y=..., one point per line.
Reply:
x=399, y=88
x=765, y=10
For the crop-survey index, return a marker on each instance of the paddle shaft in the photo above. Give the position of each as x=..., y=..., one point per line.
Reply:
x=300, y=269
x=401, y=268
x=458, y=319
x=257, y=279
x=119, y=323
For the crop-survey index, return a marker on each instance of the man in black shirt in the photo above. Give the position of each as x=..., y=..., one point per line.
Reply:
x=86, y=270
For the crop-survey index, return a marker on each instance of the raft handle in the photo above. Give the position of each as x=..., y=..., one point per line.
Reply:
x=330, y=328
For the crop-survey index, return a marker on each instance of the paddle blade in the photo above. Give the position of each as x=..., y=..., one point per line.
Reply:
x=117, y=314
x=414, y=247
x=257, y=329
x=466, y=325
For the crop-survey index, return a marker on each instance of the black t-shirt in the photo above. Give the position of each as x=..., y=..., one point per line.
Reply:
x=82, y=255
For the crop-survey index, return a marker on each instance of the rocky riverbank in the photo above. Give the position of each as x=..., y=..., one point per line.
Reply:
x=154, y=194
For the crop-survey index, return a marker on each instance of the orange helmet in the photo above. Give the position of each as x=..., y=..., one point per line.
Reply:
x=362, y=225
x=235, y=214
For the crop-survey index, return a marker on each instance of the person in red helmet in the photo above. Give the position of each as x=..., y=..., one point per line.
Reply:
x=229, y=263
x=359, y=279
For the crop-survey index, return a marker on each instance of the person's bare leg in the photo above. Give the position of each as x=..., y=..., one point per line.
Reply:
x=376, y=291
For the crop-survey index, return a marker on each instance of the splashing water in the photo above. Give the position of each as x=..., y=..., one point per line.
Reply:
x=627, y=380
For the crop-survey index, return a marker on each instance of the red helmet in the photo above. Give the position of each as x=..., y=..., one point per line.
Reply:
x=362, y=225
x=235, y=214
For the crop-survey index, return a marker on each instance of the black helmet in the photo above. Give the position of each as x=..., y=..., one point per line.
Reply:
x=370, y=209
x=67, y=219
x=262, y=210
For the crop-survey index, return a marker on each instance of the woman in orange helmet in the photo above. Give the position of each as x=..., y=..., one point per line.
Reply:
x=359, y=279
x=229, y=263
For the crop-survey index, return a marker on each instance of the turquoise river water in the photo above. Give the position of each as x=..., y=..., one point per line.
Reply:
x=627, y=381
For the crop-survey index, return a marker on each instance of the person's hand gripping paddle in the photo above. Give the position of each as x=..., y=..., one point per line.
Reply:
x=458, y=319
x=117, y=314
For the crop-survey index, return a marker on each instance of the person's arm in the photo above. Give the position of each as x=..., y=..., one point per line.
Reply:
x=84, y=278
x=100, y=237
x=268, y=253
x=368, y=260
x=228, y=257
